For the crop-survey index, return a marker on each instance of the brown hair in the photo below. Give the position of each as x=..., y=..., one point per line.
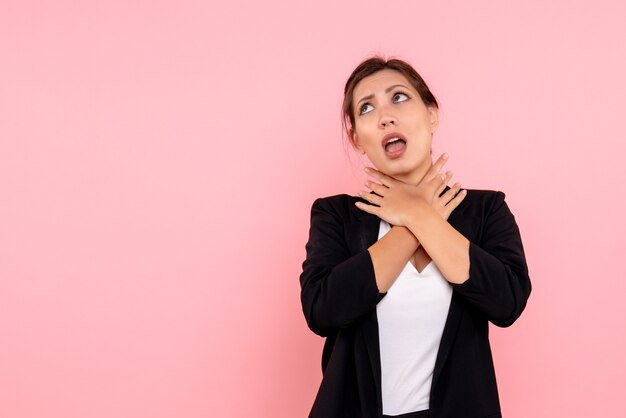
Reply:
x=374, y=65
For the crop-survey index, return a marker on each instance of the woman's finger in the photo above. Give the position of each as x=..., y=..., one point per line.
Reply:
x=450, y=193
x=442, y=186
x=368, y=208
x=371, y=197
x=379, y=189
x=437, y=181
x=457, y=200
x=437, y=166
x=384, y=179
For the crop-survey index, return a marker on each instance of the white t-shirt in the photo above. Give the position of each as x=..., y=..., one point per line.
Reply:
x=411, y=318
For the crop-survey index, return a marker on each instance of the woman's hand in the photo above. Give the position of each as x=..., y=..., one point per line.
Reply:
x=448, y=201
x=396, y=199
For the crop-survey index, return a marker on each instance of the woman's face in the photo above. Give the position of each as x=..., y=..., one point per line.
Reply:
x=393, y=126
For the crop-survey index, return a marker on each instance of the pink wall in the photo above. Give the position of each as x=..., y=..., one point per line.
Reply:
x=158, y=163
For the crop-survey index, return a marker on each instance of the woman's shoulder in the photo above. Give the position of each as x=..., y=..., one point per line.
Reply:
x=482, y=201
x=339, y=205
x=337, y=199
x=485, y=195
x=338, y=202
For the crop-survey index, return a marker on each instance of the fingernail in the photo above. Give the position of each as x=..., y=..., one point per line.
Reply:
x=445, y=156
x=367, y=169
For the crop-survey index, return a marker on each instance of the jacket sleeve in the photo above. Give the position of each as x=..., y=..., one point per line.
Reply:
x=336, y=287
x=498, y=283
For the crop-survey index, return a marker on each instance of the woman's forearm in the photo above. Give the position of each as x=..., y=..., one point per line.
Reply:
x=390, y=254
x=447, y=247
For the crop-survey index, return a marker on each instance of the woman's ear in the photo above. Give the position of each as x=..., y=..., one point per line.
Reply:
x=433, y=115
x=354, y=140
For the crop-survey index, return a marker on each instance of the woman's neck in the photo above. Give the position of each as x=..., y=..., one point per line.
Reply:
x=415, y=176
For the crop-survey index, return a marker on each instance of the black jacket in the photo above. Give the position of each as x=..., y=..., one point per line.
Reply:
x=339, y=297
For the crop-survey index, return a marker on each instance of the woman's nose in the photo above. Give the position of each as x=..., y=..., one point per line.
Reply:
x=387, y=120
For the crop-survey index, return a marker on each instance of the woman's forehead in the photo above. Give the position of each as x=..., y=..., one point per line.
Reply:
x=378, y=82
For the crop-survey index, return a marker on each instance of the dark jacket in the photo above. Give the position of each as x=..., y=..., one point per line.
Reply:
x=339, y=297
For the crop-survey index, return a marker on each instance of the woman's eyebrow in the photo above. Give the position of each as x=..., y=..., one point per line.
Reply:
x=387, y=90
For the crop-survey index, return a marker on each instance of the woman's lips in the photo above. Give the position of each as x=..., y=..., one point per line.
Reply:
x=394, y=145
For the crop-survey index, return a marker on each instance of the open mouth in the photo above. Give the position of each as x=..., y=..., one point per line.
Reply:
x=394, y=145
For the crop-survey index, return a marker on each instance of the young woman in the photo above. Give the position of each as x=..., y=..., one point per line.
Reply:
x=403, y=280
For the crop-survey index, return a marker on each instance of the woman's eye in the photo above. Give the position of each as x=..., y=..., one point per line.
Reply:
x=400, y=97
x=366, y=108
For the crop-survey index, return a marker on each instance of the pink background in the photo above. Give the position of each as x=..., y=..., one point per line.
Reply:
x=158, y=161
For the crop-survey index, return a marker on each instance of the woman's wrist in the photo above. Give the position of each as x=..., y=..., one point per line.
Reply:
x=420, y=214
x=405, y=231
